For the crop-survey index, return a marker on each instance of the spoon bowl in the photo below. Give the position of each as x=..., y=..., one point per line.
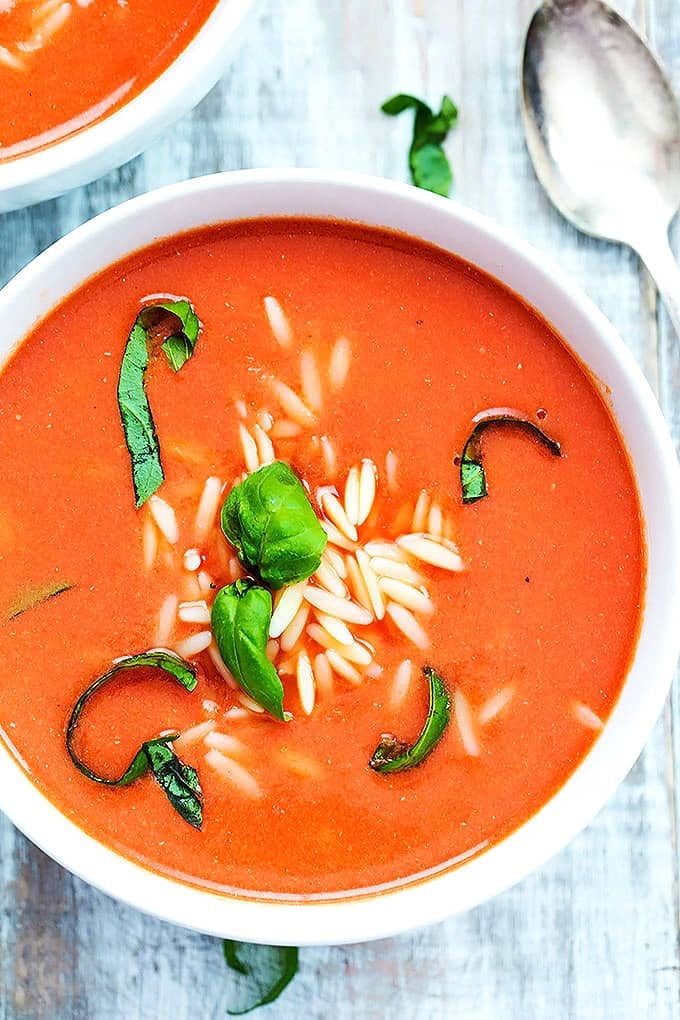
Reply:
x=603, y=130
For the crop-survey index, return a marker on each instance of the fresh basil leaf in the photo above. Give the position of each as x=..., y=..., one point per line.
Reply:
x=473, y=481
x=179, y=347
x=133, y=404
x=179, y=781
x=271, y=967
x=403, y=101
x=138, y=425
x=271, y=523
x=448, y=112
x=231, y=957
x=393, y=755
x=472, y=475
x=34, y=596
x=431, y=170
x=240, y=618
x=429, y=166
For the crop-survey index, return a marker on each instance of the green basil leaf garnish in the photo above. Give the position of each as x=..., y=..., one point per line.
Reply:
x=472, y=474
x=35, y=595
x=430, y=169
x=393, y=755
x=272, y=525
x=179, y=347
x=240, y=618
x=133, y=404
x=472, y=480
x=179, y=781
x=271, y=967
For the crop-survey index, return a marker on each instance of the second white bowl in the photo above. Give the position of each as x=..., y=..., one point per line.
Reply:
x=108, y=143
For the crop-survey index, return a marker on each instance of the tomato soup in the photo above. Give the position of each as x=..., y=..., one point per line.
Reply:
x=67, y=63
x=444, y=663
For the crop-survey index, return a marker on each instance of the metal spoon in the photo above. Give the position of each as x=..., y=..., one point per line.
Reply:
x=603, y=131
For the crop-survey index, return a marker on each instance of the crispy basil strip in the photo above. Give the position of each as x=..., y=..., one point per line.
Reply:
x=472, y=474
x=272, y=525
x=272, y=967
x=240, y=618
x=394, y=755
x=430, y=169
x=133, y=404
x=35, y=595
x=179, y=781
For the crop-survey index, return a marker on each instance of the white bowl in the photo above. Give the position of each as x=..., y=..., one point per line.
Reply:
x=373, y=201
x=93, y=151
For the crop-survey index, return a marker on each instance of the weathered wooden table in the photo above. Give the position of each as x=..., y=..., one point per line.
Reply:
x=595, y=934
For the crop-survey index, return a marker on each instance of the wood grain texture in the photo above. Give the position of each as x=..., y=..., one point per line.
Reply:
x=592, y=935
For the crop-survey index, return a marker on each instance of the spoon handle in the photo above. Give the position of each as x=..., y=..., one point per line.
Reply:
x=656, y=254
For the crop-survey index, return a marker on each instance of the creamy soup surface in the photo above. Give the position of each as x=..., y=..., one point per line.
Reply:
x=343, y=352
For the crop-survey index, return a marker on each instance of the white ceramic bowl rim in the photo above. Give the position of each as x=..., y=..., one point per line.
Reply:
x=247, y=194
x=183, y=82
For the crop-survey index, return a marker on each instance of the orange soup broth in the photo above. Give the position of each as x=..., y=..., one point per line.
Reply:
x=548, y=603
x=54, y=83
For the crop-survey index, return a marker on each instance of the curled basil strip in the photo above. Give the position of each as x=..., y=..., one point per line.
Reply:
x=430, y=169
x=272, y=525
x=472, y=474
x=179, y=781
x=394, y=755
x=133, y=404
x=272, y=968
x=179, y=347
x=35, y=596
x=240, y=618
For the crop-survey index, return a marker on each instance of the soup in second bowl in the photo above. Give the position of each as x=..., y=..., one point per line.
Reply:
x=65, y=64
x=340, y=511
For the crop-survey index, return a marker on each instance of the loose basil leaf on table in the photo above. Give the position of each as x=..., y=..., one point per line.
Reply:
x=429, y=166
x=133, y=404
x=35, y=595
x=272, y=525
x=240, y=618
x=472, y=474
x=271, y=967
x=394, y=755
x=178, y=780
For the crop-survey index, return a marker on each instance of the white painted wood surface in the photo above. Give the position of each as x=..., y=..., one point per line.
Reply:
x=595, y=934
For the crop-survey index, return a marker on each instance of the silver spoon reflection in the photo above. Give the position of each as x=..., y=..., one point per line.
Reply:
x=603, y=130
